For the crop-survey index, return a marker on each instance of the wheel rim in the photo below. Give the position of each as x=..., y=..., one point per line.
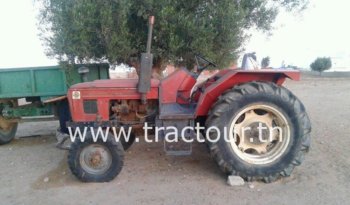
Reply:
x=95, y=159
x=254, y=144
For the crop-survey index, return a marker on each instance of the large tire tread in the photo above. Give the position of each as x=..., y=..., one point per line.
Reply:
x=223, y=105
x=116, y=150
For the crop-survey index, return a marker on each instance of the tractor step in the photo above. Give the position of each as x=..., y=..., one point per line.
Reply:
x=176, y=111
x=176, y=142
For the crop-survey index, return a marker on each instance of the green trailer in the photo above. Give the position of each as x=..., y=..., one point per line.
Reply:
x=39, y=93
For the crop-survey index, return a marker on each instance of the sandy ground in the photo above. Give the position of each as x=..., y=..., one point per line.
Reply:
x=151, y=177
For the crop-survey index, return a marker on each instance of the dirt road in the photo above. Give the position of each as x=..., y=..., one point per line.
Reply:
x=33, y=171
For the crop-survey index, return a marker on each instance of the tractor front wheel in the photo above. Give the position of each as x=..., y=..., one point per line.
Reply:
x=96, y=161
x=268, y=131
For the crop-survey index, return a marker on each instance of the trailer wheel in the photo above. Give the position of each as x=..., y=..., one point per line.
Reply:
x=96, y=161
x=7, y=130
x=252, y=152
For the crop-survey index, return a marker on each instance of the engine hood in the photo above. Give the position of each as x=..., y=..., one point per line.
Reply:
x=113, y=83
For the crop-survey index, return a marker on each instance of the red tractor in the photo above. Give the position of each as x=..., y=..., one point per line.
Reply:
x=228, y=101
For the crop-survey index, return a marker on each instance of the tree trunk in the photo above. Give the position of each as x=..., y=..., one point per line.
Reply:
x=157, y=69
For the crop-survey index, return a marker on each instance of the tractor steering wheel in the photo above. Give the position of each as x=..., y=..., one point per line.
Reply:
x=203, y=63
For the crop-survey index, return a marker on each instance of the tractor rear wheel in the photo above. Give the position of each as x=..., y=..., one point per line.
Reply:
x=96, y=161
x=268, y=131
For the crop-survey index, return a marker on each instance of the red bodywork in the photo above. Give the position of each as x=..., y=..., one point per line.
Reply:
x=104, y=91
x=227, y=79
x=176, y=88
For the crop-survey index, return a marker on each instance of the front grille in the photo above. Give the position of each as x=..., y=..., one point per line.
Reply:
x=90, y=106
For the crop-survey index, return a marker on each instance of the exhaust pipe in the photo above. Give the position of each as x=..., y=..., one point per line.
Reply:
x=144, y=84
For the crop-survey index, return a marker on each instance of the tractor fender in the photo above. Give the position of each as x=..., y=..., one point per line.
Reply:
x=231, y=78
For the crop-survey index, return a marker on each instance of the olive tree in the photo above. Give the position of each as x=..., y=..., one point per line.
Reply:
x=116, y=30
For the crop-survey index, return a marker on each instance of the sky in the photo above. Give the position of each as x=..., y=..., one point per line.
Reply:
x=321, y=30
